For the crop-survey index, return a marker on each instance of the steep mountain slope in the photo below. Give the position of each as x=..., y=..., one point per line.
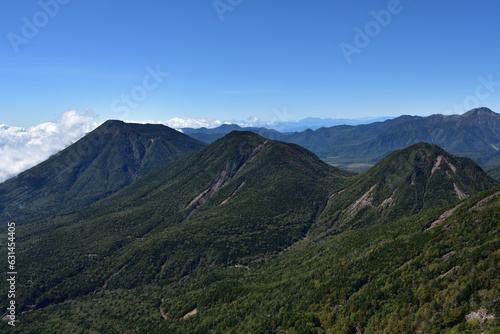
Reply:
x=233, y=202
x=475, y=134
x=422, y=273
x=401, y=277
x=494, y=172
x=408, y=181
x=104, y=161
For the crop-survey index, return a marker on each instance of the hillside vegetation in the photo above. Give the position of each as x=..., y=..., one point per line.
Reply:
x=251, y=235
x=103, y=162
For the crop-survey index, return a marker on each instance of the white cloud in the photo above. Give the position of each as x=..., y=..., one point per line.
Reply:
x=23, y=148
x=179, y=123
x=254, y=121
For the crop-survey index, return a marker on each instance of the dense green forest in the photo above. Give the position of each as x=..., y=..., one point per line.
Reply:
x=399, y=277
x=98, y=165
x=250, y=235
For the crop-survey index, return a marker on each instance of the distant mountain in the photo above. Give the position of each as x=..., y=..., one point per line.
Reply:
x=210, y=135
x=474, y=134
x=101, y=163
x=312, y=123
x=418, y=178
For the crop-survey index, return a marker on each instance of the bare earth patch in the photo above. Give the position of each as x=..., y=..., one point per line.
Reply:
x=190, y=314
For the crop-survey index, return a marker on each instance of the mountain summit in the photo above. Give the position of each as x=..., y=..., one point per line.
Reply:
x=483, y=111
x=99, y=164
x=418, y=178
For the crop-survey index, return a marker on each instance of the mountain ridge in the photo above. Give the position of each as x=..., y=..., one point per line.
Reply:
x=475, y=134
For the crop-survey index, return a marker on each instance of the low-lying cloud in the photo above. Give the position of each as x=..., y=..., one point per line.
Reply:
x=179, y=123
x=23, y=148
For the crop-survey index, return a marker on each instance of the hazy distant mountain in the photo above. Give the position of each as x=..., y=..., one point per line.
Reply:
x=315, y=123
x=101, y=163
x=474, y=134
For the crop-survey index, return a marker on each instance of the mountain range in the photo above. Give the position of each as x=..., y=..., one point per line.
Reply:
x=474, y=134
x=148, y=230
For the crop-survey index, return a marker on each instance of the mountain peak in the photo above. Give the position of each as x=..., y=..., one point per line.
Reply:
x=483, y=111
x=415, y=179
x=99, y=164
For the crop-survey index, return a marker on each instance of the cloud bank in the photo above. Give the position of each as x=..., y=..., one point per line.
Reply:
x=179, y=123
x=23, y=148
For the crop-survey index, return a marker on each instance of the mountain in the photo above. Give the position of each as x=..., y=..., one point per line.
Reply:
x=416, y=179
x=420, y=274
x=101, y=163
x=315, y=123
x=210, y=135
x=312, y=123
x=236, y=201
x=474, y=134
x=494, y=172
x=217, y=242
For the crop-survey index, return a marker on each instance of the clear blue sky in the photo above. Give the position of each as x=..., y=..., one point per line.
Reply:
x=262, y=57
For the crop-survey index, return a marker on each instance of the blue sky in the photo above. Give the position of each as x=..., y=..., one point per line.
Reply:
x=277, y=60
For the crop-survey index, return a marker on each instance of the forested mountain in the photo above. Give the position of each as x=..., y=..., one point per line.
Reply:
x=101, y=163
x=232, y=202
x=494, y=171
x=252, y=235
x=418, y=178
x=475, y=134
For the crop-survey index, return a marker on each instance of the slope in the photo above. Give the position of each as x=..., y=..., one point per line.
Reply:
x=236, y=201
x=417, y=274
x=408, y=181
x=104, y=161
x=494, y=172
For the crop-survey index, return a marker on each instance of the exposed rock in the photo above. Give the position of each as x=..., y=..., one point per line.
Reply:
x=481, y=314
x=365, y=200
